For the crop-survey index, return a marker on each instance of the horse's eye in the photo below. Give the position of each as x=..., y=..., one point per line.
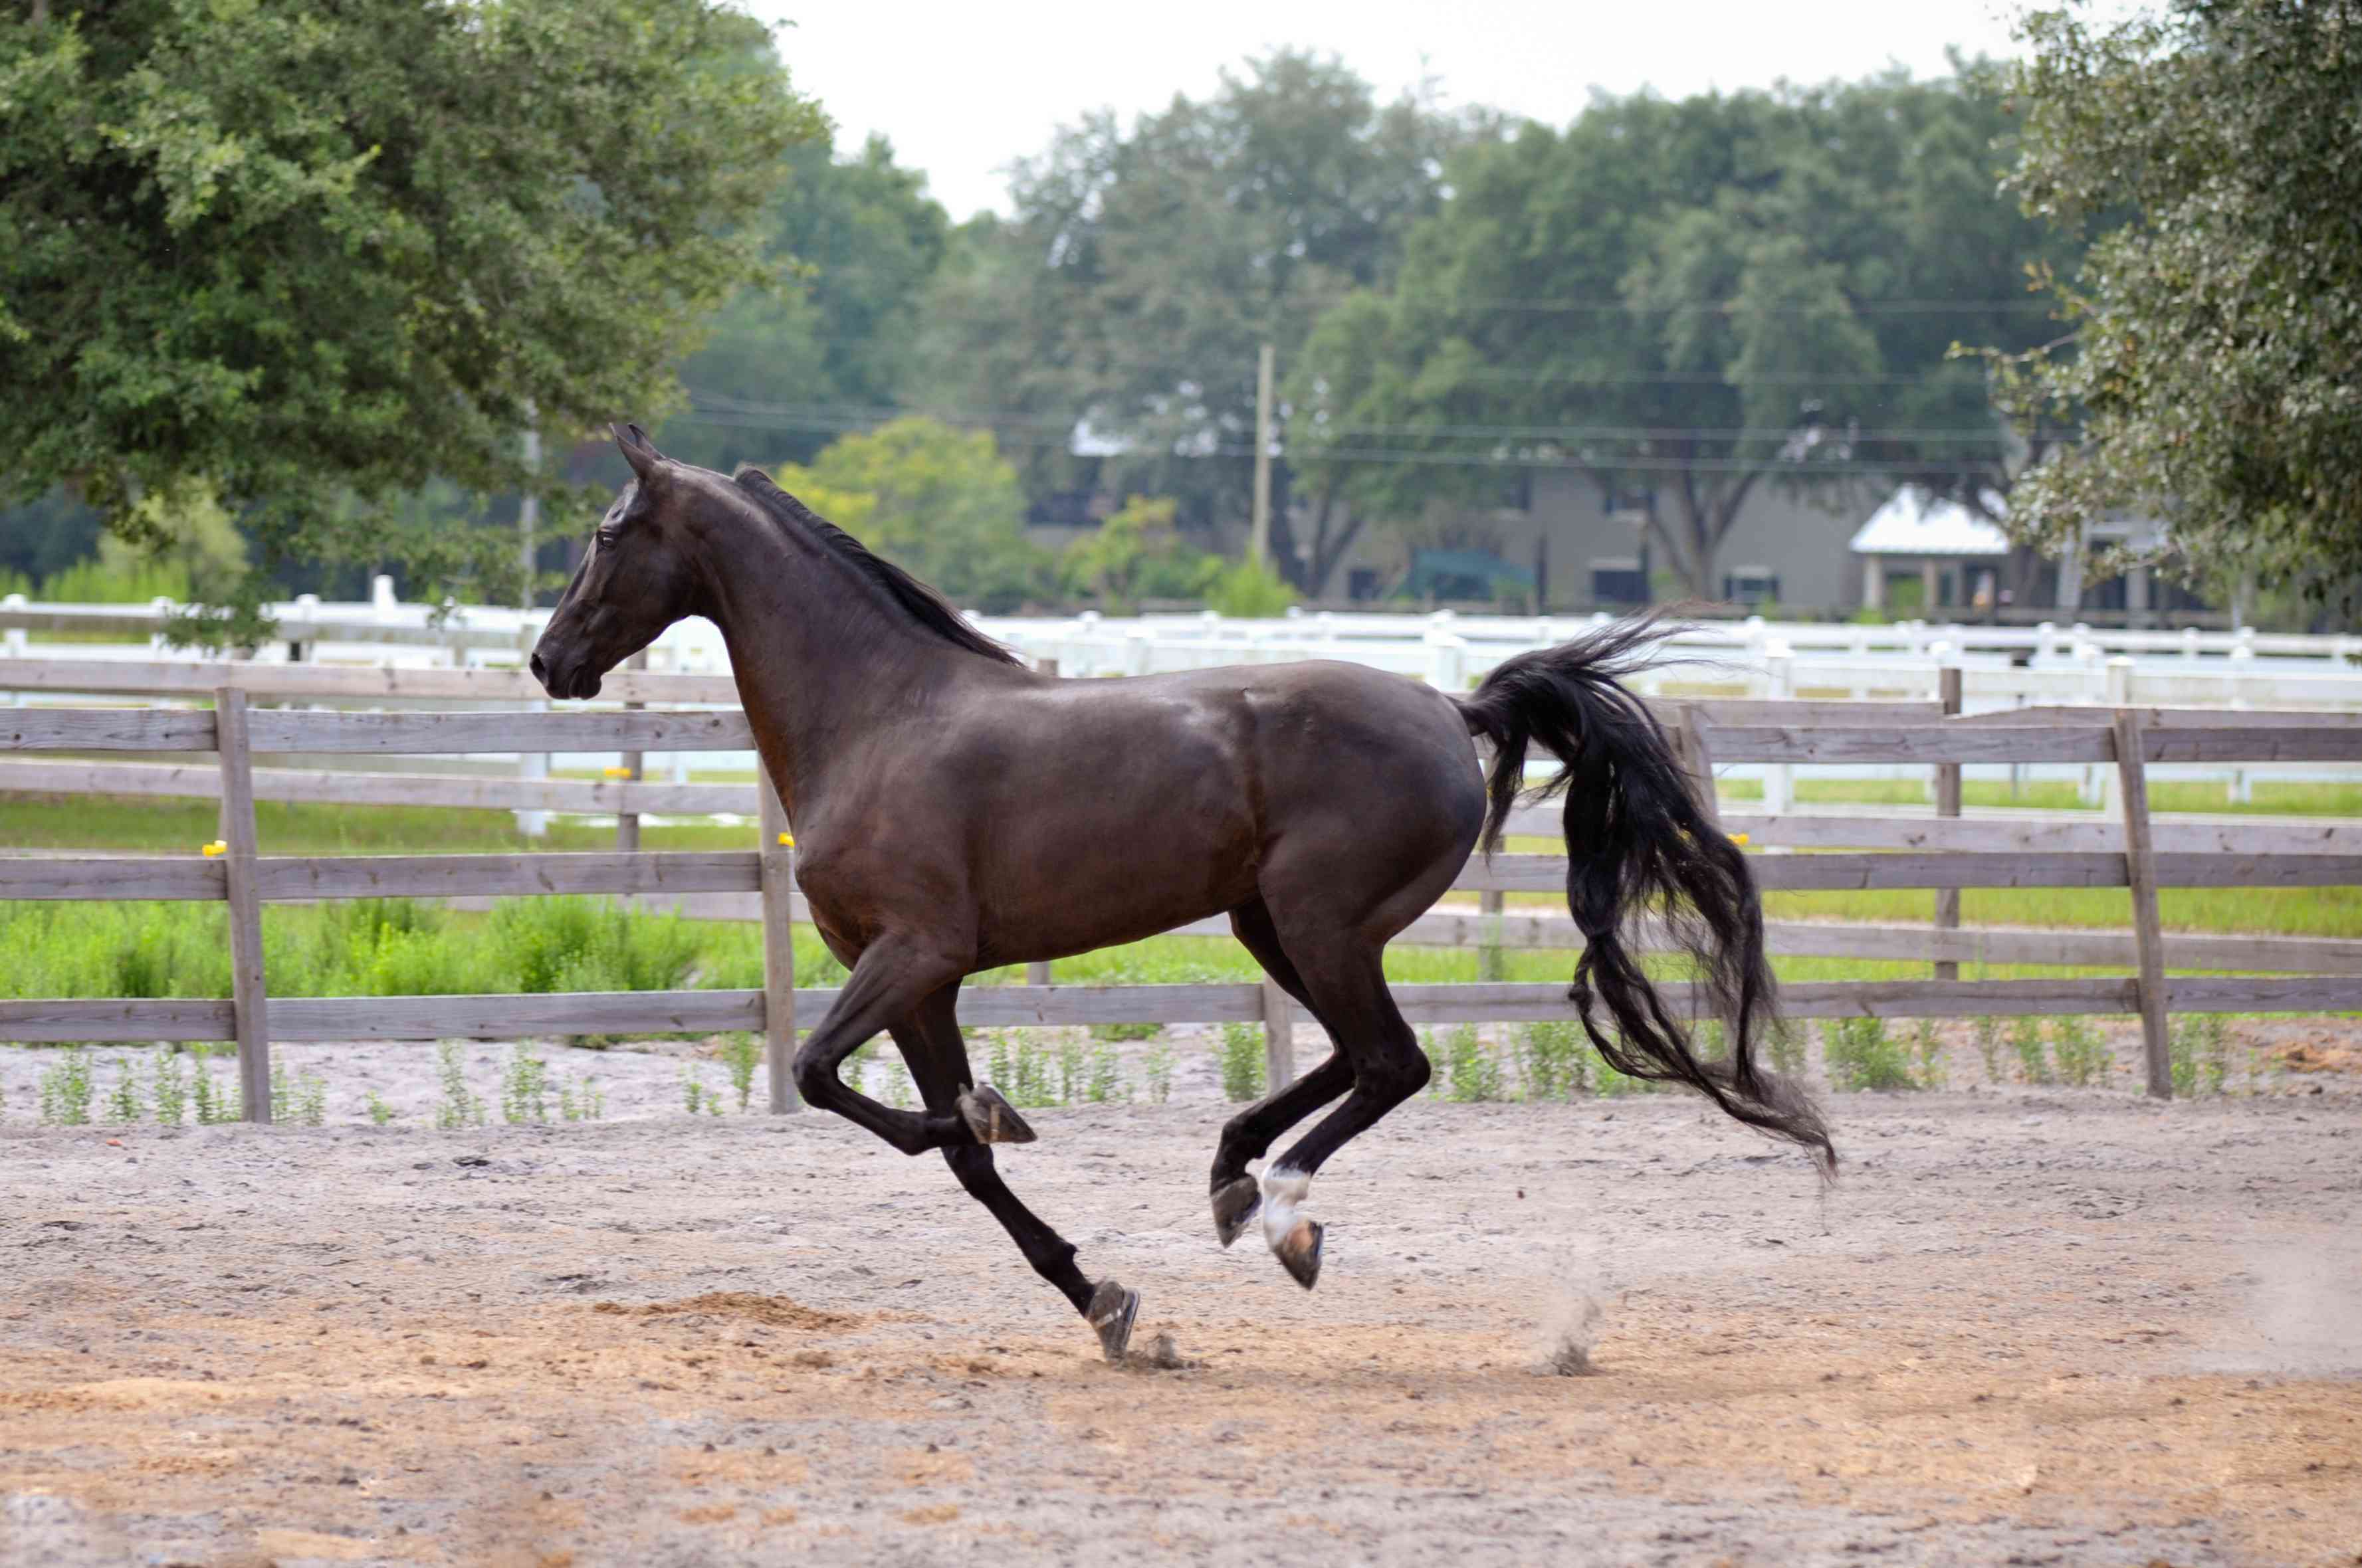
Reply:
x=606, y=538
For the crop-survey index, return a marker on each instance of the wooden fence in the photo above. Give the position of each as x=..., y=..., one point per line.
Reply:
x=1943, y=853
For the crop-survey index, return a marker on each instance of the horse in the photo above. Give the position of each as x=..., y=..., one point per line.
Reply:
x=955, y=811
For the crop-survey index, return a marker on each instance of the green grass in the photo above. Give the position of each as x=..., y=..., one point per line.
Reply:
x=374, y=947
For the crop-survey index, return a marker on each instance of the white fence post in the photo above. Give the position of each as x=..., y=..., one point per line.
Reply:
x=12, y=642
x=1780, y=683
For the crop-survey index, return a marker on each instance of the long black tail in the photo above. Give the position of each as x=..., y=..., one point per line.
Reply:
x=1637, y=837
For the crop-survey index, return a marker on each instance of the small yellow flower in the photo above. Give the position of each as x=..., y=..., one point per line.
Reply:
x=218, y=847
x=787, y=841
x=617, y=772
x=1738, y=838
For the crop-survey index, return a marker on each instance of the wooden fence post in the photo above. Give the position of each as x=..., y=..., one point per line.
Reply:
x=778, y=877
x=1492, y=902
x=248, y=1001
x=1278, y=1036
x=1038, y=972
x=2149, y=927
x=627, y=823
x=1948, y=803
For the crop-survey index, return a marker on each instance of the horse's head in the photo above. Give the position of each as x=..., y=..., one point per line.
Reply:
x=635, y=580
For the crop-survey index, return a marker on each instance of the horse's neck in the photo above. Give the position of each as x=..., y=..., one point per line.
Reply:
x=817, y=657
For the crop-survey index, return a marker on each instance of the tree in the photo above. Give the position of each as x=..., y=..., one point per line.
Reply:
x=307, y=259
x=2215, y=364
x=794, y=361
x=1686, y=300
x=1145, y=266
x=939, y=501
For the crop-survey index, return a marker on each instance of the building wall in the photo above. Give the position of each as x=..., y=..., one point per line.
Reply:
x=1568, y=534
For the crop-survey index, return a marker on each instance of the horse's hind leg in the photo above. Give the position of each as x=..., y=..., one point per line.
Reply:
x=1346, y=979
x=931, y=1044
x=1247, y=1136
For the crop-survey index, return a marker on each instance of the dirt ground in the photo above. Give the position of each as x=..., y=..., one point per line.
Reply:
x=2031, y=1326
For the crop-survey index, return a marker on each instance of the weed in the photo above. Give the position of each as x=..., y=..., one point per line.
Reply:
x=1126, y=1031
x=524, y=1084
x=698, y=1095
x=582, y=1103
x=1156, y=1068
x=2080, y=1055
x=1606, y=1079
x=1551, y=1059
x=459, y=1106
x=168, y=1088
x=1927, y=1049
x=1784, y=1044
x=1470, y=1063
x=122, y=1104
x=896, y=1089
x=1861, y=1055
x=741, y=1052
x=1104, y=1084
x=2026, y=1039
x=1243, y=1061
x=1989, y=1046
x=297, y=1101
x=2199, y=1047
x=213, y=1105
x=1070, y=1070
x=65, y=1088
x=378, y=1110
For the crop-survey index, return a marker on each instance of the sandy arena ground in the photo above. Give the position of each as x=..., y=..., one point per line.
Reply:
x=2026, y=1328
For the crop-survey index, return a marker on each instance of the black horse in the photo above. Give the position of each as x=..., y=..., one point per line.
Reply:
x=955, y=812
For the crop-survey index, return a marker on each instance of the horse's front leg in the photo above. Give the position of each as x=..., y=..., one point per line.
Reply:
x=889, y=980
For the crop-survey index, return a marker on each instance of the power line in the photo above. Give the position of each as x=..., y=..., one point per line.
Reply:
x=719, y=407
x=1653, y=463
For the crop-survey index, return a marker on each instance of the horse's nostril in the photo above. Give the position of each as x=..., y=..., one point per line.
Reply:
x=540, y=671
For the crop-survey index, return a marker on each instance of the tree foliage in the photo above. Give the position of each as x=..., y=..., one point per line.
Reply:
x=307, y=258
x=2215, y=361
x=796, y=360
x=1146, y=265
x=941, y=502
x=1686, y=300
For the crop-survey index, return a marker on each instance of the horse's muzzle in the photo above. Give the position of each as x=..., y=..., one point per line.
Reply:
x=580, y=682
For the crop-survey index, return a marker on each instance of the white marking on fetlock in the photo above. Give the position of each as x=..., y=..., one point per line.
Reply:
x=1283, y=1190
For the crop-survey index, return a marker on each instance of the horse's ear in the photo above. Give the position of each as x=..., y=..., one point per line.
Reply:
x=637, y=449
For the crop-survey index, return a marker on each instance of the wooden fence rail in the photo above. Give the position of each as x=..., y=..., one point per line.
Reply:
x=1942, y=853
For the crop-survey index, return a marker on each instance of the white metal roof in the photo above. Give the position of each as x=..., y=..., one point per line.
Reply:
x=1914, y=522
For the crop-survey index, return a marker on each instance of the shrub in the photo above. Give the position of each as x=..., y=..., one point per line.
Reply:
x=459, y=1106
x=524, y=1082
x=1989, y=1046
x=1863, y=1057
x=2198, y=1047
x=1473, y=1069
x=741, y=1052
x=169, y=1088
x=1927, y=1047
x=1550, y=1059
x=122, y=1104
x=1243, y=1061
x=1104, y=1082
x=2026, y=1039
x=65, y=1088
x=2081, y=1054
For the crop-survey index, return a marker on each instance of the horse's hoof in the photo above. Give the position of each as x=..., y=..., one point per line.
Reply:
x=1236, y=1202
x=1299, y=1252
x=992, y=1119
x=1112, y=1311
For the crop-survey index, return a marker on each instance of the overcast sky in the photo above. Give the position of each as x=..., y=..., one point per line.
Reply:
x=962, y=90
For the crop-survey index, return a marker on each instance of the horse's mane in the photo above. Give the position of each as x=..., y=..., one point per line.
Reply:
x=922, y=604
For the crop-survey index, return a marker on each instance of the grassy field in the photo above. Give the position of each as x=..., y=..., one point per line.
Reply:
x=398, y=948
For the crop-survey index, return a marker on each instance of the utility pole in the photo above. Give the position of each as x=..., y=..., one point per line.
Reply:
x=1258, y=541
x=529, y=510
